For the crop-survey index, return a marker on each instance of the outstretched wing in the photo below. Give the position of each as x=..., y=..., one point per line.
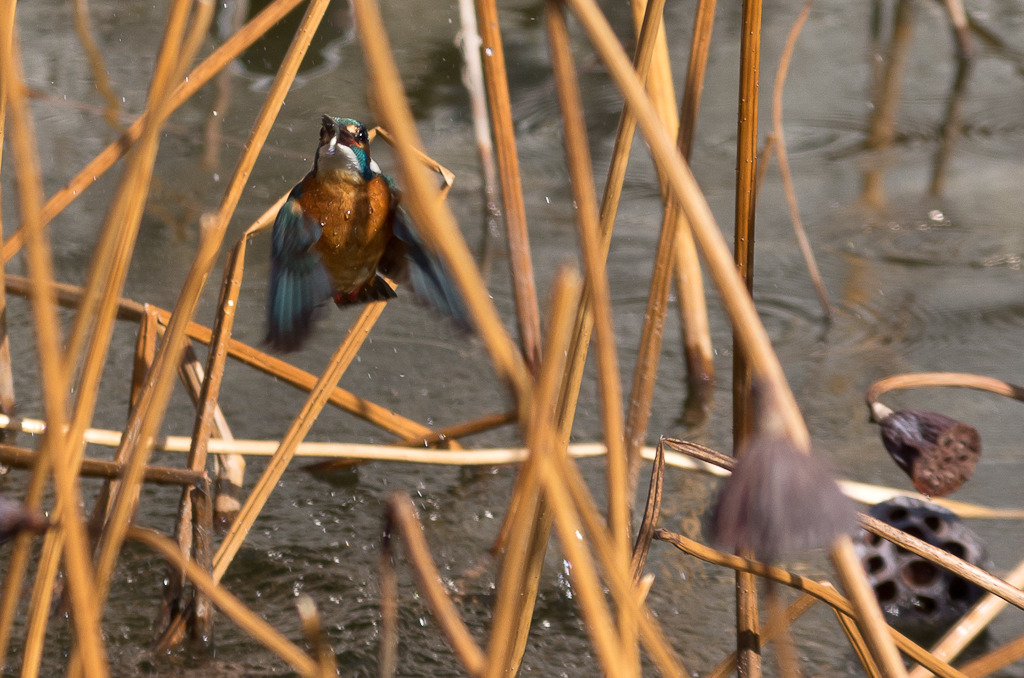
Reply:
x=408, y=258
x=298, y=280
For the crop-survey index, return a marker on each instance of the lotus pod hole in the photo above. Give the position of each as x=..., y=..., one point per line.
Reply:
x=918, y=597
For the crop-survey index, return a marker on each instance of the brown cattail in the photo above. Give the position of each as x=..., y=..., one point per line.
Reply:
x=779, y=501
x=937, y=452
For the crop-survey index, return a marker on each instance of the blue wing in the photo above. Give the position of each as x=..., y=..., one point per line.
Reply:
x=427, y=274
x=298, y=280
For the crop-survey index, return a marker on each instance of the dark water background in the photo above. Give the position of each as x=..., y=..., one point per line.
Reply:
x=919, y=283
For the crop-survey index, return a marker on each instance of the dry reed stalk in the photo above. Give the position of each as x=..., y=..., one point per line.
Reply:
x=773, y=627
x=387, y=652
x=952, y=123
x=194, y=81
x=825, y=593
x=207, y=409
x=99, y=302
x=194, y=524
x=957, y=638
x=470, y=43
x=316, y=638
x=6, y=370
x=246, y=619
x=434, y=220
x=882, y=123
x=146, y=418
x=869, y=617
x=660, y=86
x=544, y=443
x=448, y=435
x=98, y=70
x=274, y=366
x=110, y=265
x=746, y=172
x=300, y=426
x=748, y=634
x=787, y=180
x=936, y=379
x=609, y=208
x=585, y=198
x=401, y=518
x=991, y=662
x=737, y=301
x=116, y=244
x=54, y=448
x=697, y=350
x=19, y=457
x=520, y=261
x=528, y=522
x=860, y=647
x=652, y=513
x=563, y=477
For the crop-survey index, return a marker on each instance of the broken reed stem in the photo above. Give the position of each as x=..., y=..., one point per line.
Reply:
x=585, y=199
x=250, y=622
x=520, y=261
x=54, y=448
x=434, y=220
x=146, y=418
x=401, y=516
x=300, y=426
x=194, y=81
x=693, y=313
x=778, y=133
x=824, y=593
x=977, y=619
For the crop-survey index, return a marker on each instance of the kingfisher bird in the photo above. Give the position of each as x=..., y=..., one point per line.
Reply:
x=340, y=231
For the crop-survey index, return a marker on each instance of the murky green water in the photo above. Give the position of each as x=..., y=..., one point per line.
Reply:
x=920, y=283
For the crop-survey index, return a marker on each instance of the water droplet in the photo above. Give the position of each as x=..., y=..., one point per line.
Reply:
x=348, y=214
x=936, y=215
x=488, y=52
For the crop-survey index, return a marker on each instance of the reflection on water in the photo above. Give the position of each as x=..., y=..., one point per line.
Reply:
x=920, y=282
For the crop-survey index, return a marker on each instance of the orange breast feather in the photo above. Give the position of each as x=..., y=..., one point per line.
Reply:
x=356, y=227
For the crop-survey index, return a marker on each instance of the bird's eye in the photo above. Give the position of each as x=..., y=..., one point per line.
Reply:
x=362, y=137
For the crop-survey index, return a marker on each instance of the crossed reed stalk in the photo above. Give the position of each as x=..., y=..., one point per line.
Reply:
x=543, y=370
